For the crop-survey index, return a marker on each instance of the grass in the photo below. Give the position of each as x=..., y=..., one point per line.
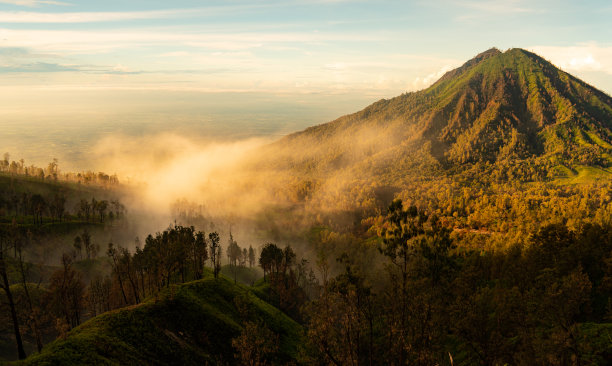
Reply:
x=598, y=140
x=563, y=172
x=585, y=174
x=188, y=324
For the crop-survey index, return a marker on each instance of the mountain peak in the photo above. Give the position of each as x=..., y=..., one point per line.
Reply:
x=470, y=63
x=493, y=51
x=517, y=104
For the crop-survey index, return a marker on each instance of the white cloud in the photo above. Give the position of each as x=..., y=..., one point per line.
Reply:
x=33, y=3
x=87, y=17
x=424, y=82
x=582, y=57
x=114, y=16
x=84, y=42
x=489, y=8
x=497, y=6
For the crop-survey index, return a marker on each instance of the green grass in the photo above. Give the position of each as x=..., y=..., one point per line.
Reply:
x=563, y=172
x=585, y=174
x=598, y=140
x=582, y=138
x=188, y=324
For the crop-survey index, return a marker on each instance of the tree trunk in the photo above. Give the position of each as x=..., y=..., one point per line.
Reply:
x=7, y=290
x=36, y=329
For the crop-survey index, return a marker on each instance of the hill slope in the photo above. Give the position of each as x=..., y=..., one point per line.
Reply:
x=188, y=324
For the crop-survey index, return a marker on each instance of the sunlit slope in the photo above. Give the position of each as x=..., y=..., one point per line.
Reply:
x=189, y=324
x=497, y=107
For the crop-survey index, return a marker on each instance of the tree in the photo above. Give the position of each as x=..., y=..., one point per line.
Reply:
x=57, y=206
x=288, y=261
x=341, y=322
x=271, y=259
x=199, y=254
x=78, y=246
x=255, y=344
x=67, y=292
x=401, y=229
x=244, y=257
x=98, y=295
x=127, y=266
x=118, y=208
x=52, y=169
x=114, y=254
x=5, y=162
x=279, y=265
x=251, y=256
x=233, y=251
x=38, y=207
x=215, y=252
x=233, y=254
x=84, y=209
x=101, y=207
x=5, y=243
x=419, y=251
x=24, y=269
x=86, y=240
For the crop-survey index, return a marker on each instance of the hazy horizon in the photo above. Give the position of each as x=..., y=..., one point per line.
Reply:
x=74, y=73
x=72, y=135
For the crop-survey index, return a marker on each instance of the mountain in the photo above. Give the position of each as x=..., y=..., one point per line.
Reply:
x=495, y=108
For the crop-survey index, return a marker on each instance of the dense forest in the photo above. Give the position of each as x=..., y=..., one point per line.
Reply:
x=415, y=295
x=468, y=223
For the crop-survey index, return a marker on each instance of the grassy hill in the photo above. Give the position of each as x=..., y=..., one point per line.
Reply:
x=188, y=324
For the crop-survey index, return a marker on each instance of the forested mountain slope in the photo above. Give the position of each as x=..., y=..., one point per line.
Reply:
x=496, y=107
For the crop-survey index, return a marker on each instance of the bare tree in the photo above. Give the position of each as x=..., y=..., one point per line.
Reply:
x=67, y=292
x=24, y=269
x=5, y=244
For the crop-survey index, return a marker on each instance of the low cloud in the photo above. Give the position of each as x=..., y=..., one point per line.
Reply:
x=582, y=57
x=425, y=81
x=167, y=167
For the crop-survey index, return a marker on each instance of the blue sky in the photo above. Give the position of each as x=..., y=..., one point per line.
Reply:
x=262, y=67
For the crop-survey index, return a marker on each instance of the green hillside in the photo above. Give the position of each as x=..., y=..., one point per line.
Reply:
x=188, y=324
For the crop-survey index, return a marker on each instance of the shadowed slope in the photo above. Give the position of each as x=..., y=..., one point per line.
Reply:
x=189, y=324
